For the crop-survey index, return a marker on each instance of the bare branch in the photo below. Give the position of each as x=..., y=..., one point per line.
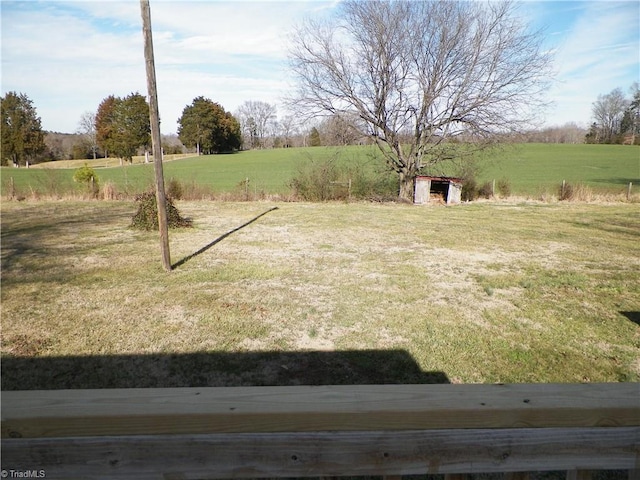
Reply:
x=420, y=73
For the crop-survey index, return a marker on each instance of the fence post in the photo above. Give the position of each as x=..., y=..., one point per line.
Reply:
x=564, y=183
x=629, y=191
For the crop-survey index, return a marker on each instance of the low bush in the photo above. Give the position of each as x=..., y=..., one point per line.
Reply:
x=577, y=192
x=174, y=189
x=469, y=189
x=109, y=191
x=378, y=185
x=486, y=190
x=85, y=175
x=504, y=187
x=146, y=218
x=314, y=179
x=332, y=179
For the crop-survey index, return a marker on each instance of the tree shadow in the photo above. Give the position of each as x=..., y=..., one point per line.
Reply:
x=215, y=369
x=617, y=181
x=27, y=238
x=219, y=239
x=632, y=316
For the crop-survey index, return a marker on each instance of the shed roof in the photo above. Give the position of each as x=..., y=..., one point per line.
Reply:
x=442, y=179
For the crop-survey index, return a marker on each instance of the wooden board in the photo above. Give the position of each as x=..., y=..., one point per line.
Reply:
x=330, y=453
x=66, y=413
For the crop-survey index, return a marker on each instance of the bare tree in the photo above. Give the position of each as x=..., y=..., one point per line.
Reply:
x=87, y=128
x=256, y=118
x=288, y=129
x=340, y=130
x=630, y=123
x=420, y=73
x=568, y=133
x=608, y=111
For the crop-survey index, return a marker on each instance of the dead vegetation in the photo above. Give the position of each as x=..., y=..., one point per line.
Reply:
x=484, y=292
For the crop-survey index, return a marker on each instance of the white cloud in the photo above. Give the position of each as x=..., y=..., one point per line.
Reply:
x=601, y=51
x=68, y=56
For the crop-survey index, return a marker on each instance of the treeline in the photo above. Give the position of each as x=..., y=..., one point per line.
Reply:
x=74, y=146
x=120, y=128
x=617, y=118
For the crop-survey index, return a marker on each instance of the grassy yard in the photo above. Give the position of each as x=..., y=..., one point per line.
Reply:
x=320, y=293
x=533, y=170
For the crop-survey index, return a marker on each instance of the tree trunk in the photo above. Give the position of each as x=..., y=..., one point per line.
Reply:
x=406, y=187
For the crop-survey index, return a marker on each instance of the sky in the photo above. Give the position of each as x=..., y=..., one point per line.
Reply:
x=68, y=56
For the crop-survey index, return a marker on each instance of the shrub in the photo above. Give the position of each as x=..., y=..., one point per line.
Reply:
x=313, y=181
x=469, y=189
x=109, y=191
x=319, y=181
x=486, y=190
x=578, y=192
x=146, y=218
x=371, y=184
x=174, y=189
x=86, y=175
x=504, y=187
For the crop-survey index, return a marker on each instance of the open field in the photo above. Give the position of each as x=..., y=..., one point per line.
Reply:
x=534, y=170
x=320, y=294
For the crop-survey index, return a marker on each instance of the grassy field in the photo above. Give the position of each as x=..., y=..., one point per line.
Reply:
x=533, y=170
x=320, y=293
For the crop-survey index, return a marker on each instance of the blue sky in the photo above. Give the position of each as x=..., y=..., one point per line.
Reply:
x=68, y=56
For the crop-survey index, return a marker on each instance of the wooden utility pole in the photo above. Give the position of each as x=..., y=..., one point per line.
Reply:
x=155, y=134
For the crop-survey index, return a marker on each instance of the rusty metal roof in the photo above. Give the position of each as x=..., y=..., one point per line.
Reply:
x=442, y=179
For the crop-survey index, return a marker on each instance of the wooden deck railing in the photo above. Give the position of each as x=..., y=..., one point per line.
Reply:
x=387, y=430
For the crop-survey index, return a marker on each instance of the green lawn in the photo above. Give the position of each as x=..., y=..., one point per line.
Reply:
x=531, y=169
x=320, y=293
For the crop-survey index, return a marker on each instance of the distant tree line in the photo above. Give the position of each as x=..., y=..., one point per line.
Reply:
x=616, y=118
x=120, y=128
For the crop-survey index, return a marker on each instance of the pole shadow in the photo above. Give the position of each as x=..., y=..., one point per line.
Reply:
x=219, y=239
x=632, y=316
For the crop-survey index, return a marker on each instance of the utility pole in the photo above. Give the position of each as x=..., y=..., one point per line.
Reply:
x=156, y=142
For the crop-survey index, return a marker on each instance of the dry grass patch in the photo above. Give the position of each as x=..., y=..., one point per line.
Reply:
x=320, y=293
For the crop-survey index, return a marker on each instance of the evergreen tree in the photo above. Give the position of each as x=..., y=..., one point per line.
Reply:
x=630, y=124
x=206, y=126
x=314, y=137
x=105, y=117
x=123, y=126
x=21, y=130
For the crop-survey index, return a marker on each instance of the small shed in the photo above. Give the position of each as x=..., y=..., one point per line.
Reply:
x=441, y=189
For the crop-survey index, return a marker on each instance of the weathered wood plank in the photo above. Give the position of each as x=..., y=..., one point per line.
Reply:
x=579, y=475
x=60, y=413
x=517, y=476
x=243, y=455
